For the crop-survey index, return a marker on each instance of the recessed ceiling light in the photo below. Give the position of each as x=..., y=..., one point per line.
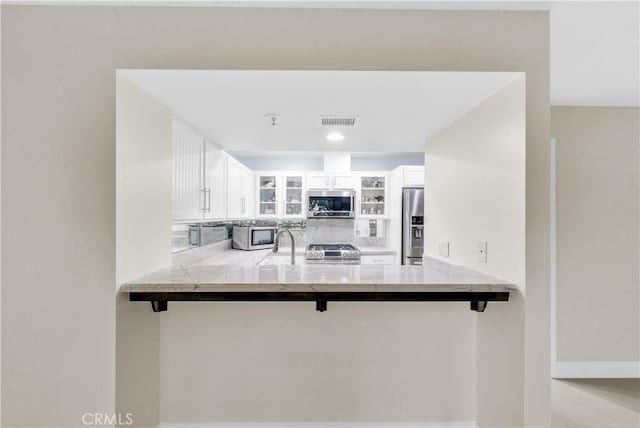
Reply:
x=335, y=137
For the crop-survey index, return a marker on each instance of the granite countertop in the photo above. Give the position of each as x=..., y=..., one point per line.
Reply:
x=239, y=271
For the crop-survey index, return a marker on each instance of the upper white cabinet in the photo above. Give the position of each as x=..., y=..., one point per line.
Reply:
x=373, y=195
x=345, y=181
x=318, y=181
x=240, y=190
x=413, y=176
x=214, y=182
x=208, y=184
x=294, y=188
x=248, y=193
x=328, y=181
x=268, y=194
x=190, y=197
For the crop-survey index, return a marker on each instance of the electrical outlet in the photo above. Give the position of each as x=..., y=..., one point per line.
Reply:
x=482, y=252
x=443, y=248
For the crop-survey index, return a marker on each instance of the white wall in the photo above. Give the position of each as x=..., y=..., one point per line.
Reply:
x=58, y=154
x=144, y=178
x=475, y=192
x=598, y=256
x=598, y=261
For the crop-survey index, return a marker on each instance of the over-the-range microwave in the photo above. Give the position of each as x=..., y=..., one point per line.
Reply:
x=253, y=237
x=331, y=204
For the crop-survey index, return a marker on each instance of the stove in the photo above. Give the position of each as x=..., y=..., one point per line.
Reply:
x=332, y=254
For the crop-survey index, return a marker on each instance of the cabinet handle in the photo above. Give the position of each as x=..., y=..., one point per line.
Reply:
x=209, y=200
x=243, y=208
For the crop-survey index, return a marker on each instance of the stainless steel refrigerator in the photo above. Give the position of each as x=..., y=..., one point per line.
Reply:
x=412, y=225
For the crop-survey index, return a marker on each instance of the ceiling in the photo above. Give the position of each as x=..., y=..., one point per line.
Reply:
x=398, y=111
x=594, y=45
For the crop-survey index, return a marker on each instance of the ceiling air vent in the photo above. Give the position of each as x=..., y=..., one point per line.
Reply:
x=339, y=120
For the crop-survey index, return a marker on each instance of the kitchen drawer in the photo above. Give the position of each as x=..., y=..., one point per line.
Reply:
x=382, y=259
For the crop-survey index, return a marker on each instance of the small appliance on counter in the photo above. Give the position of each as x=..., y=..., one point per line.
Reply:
x=253, y=237
x=205, y=234
x=332, y=254
x=412, y=225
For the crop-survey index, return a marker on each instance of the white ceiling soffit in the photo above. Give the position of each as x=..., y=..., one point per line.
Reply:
x=398, y=111
x=594, y=45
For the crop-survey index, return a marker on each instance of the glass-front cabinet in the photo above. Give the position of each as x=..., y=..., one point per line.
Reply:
x=293, y=195
x=373, y=196
x=268, y=194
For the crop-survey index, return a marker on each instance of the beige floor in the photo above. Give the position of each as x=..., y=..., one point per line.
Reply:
x=598, y=403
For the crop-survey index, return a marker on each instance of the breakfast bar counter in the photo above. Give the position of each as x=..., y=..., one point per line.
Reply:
x=435, y=280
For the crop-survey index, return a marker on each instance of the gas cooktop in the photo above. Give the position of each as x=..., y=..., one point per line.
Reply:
x=332, y=253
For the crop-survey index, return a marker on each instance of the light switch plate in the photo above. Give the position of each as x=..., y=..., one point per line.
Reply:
x=443, y=248
x=482, y=252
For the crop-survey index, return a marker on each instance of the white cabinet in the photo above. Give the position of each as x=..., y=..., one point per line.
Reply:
x=234, y=188
x=327, y=181
x=319, y=181
x=268, y=194
x=248, y=193
x=189, y=193
x=373, y=195
x=239, y=190
x=382, y=259
x=413, y=176
x=294, y=205
x=344, y=181
x=214, y=182
x=208, y=184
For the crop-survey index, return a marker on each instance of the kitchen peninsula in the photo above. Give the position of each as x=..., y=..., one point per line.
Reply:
x=243, y=278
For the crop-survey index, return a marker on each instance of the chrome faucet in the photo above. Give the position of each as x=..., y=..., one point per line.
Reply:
x=276, y=244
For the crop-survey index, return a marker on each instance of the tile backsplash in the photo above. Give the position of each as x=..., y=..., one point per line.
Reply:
x=311, y=231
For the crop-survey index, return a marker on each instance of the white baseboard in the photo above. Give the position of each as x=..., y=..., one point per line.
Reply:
x=463, y=424
x=595, y=370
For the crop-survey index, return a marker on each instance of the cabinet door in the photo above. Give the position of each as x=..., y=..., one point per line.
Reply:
x=294, y=195
x=318, y=181
x=234, y=188
x=344, y=181
x=373, y=196
x=248, y=193
x=214, y=182
x=188, y=189
x=382, y=259
x=268, y=194
x=413, y=176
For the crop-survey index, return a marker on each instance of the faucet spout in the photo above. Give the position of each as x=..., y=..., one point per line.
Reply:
x=276, y=244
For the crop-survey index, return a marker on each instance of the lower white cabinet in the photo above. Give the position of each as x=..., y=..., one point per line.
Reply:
x=381, y=259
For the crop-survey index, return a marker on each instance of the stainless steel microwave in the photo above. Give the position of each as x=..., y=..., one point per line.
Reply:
x=253, y=237
x=331, y=204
